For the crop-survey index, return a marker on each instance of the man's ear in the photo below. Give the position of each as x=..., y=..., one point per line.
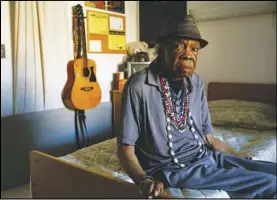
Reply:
x=160, y=49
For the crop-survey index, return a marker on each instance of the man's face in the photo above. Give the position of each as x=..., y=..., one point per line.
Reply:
x=180, y=57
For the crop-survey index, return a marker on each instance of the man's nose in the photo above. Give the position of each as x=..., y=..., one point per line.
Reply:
x=186, y=54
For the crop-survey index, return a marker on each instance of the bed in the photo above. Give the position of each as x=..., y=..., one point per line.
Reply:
x=243, y=115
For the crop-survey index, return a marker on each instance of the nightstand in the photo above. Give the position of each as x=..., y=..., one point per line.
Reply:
x=116, y=104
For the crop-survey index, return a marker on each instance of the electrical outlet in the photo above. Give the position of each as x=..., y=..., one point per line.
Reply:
x=3, y=51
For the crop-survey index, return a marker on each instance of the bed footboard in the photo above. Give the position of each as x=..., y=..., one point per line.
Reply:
x=52, y=177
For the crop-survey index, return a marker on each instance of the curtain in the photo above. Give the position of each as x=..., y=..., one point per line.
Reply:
x=41, y=49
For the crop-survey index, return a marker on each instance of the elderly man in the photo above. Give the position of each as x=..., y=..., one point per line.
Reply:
x=166, y=132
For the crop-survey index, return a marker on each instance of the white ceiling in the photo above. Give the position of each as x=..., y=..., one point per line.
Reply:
x=207, y=10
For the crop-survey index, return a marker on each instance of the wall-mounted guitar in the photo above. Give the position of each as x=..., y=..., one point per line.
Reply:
x=82, y=90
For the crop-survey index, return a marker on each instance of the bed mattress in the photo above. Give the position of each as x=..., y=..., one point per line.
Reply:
x=260, y=144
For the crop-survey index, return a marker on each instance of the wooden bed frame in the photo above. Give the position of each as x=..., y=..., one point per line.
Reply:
x=264, y=93
x=52, y=177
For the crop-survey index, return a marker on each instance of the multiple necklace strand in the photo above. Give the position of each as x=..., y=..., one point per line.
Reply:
x=178, y=122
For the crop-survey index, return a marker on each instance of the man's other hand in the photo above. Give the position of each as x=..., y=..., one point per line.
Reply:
x=149, y=188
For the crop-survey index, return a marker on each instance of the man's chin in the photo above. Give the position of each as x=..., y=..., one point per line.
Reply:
x=185, y=74
x=180, y=74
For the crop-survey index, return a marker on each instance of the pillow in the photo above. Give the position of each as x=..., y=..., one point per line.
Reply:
x=242, y=114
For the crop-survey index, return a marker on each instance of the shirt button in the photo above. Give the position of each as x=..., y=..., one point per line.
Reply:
x=200, y=150
x=167, y=119
x=190, y=122
x=192, y=130
x=172, y=153
x=169, y=136
x=196, y=136
x=190, y=114
x=175, y=160
x=199, y=143
x=170, y=144
x=182, y=165
x=168, y=128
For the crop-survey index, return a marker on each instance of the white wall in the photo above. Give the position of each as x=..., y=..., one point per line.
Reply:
x=107, y=64
x=241, y=49
x=6, y=63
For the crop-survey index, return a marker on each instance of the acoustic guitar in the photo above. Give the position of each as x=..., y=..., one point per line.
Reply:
x=82, y=90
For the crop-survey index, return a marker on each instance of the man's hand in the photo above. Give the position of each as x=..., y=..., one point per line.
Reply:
x=242, y=154
x=218, y=145
x=131, y=166
x=149, y=188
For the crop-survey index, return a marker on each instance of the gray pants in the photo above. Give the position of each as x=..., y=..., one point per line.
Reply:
x=239, y=177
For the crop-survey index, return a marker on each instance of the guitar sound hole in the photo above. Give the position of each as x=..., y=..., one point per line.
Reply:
x=86, y=72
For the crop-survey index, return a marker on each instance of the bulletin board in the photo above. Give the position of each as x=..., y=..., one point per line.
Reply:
x=106, y=33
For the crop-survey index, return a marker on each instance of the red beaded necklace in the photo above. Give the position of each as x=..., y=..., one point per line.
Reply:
x=171, y=117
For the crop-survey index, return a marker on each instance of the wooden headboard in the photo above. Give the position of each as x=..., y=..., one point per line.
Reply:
x=264, y=93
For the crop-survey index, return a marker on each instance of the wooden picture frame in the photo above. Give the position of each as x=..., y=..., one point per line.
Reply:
x=114, y=6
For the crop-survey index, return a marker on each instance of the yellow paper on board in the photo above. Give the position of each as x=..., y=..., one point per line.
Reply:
x=117, y=42
x=98, y=23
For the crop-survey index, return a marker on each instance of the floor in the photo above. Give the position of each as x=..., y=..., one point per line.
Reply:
x=22, y=191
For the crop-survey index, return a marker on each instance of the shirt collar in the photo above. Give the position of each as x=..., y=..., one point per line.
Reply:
x=153, y=76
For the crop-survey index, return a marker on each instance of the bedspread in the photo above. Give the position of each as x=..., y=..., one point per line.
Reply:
x=260, y=144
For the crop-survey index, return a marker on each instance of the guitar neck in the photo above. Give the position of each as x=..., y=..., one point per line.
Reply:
x=77, y=36
x=84, y=44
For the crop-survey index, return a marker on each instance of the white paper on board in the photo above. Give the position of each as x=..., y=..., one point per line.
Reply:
x=95, y=45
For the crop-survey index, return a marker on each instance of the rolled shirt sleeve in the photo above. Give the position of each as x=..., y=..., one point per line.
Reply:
x=205, y=114
x=130, y=115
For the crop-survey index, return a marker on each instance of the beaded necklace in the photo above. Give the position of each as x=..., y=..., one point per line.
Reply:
x=180, y=122
x=172, y=121
x=177, y=100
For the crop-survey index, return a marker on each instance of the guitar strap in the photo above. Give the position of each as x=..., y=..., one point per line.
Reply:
x=83, y=127
x=79, y=115
x=76, y=129
x=81, y=118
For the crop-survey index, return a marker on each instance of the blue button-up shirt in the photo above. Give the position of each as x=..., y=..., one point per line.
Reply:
x=143, y=122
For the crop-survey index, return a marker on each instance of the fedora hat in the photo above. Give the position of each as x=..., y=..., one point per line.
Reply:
x=185, y=27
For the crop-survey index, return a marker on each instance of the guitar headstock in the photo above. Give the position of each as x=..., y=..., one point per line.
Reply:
x=79, y=17
x=78, y=11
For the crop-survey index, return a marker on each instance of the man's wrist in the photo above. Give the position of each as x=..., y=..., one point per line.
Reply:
x=143, y=178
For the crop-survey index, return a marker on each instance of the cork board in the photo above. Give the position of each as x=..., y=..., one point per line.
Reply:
x=106, y=33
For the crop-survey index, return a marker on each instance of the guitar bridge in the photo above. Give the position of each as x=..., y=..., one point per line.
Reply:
x=86, y=88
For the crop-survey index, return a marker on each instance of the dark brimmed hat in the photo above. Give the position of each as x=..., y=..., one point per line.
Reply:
x=182, y=28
